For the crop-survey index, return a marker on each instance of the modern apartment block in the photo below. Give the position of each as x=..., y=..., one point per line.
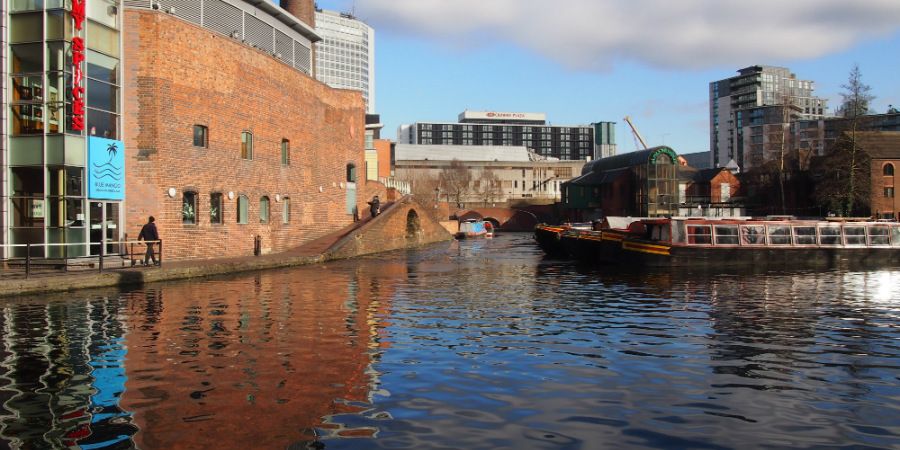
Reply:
x=490, y=128
x=345, y=58
x=743, y=104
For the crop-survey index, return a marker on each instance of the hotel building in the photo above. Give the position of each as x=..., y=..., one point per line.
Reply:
x=490, y=128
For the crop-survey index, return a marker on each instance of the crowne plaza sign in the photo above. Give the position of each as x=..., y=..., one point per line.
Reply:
x=499, y=116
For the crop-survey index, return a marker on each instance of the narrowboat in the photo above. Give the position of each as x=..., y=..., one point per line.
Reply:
x=671, y=242
x=472, y=229
x=548, y=237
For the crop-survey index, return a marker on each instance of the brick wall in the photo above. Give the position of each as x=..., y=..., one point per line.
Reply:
x=178, y=75
x=403, y=225
x=304, y=10
x=880, y=204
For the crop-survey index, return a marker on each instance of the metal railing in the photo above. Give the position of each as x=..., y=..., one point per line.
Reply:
x=29, y=262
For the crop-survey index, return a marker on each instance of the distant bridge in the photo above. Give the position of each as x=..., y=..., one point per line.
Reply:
x=506, y=219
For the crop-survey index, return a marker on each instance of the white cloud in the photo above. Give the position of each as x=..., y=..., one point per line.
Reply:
x=595, y=34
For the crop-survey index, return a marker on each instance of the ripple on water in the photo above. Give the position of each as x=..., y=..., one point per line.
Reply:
x=473, y=344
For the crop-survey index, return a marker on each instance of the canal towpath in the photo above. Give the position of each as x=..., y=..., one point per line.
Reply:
x=312, y=252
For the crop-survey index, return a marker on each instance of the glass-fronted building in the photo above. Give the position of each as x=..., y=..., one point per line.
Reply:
x=62, y=95
x=345, y=57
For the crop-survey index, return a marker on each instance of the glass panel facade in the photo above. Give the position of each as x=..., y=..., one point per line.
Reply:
x=40, y=89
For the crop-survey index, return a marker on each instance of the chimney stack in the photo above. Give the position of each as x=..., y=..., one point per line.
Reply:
x=304, y=10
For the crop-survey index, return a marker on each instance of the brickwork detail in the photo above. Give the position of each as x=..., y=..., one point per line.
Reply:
x=179, y=75
x=305, y=10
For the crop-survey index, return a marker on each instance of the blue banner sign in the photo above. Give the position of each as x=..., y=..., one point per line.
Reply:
x=106, y=169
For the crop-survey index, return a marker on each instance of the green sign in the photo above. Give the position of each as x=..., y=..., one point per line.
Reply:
x=663, y=151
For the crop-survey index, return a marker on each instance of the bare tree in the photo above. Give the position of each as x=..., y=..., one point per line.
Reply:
x=856, y=97
x=456, y=182
x=835, y=189
x=426, y=190
x=490, y=189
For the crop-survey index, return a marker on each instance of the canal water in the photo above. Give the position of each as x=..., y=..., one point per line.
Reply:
x=479, y=344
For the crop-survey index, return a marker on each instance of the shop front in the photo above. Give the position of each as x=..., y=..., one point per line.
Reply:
x=64, y=160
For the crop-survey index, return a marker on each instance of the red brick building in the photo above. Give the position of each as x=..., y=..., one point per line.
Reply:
x=229, y=144
x=883, y=149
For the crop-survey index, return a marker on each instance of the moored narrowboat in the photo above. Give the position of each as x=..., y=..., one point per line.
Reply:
x=671, y=242
x=548, y=237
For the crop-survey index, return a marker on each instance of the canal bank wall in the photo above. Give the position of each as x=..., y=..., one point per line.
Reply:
x=402, y=225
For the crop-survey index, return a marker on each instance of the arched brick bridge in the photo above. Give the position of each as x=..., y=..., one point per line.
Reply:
x=506, y=219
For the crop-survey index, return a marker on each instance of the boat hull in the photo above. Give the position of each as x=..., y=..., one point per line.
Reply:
x=548, y=239
x=653, y=254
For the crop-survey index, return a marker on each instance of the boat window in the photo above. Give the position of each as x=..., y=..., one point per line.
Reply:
x=699, y=234
x=895, y=236
x=854, y=235
x=753, y=235
x=804, y=235
x=660, y=233
x=726, y=235
x=830, y=235
x=879, y=235
x=779, y=234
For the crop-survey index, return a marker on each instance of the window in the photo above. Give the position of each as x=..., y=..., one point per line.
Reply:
x=753, y=235
x=246, y=145
x=351, y=173
x=854, y=235
x=699, y=234
x=879, y=235
x=779, y=234
x=889, y=192
x=286, y=210
x=189, y=208
x=264, y=209
x=285, y=152
x=243, y=206
x=889, y=170
x=726, y=234
x=830, y=235
x=215, y=208
x=804, y=235
x=201, y=136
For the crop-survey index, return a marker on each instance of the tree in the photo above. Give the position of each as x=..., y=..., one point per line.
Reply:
x=490, y=188
x=456, y=182
x=856, y=96
x=425, y=189
x=855, y=105
x=837, y=172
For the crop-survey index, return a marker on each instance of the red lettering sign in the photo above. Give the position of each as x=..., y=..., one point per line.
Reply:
x=78, y=13
x=77, y=60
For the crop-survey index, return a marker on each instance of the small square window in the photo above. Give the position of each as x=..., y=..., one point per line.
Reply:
x=201, y=136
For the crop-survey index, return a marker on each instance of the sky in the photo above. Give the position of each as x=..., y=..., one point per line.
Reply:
x=584, y=61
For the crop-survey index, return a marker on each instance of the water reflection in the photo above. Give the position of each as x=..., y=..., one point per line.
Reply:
x=479, y=344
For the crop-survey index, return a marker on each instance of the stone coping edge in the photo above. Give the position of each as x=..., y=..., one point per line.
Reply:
x=129, y=277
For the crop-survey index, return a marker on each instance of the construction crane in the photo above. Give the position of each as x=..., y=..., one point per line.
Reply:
x=637, y=134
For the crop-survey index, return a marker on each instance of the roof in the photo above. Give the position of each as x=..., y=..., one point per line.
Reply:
x=412, y=152
x=879, y=144
x=598, y=178
x=699, y=160
x=624, y=160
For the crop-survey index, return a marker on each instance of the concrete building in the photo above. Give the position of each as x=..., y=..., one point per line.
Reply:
x=491, y=128
x=744, y=101
x=179, y=132
x=345, y=58
x=499, y=174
